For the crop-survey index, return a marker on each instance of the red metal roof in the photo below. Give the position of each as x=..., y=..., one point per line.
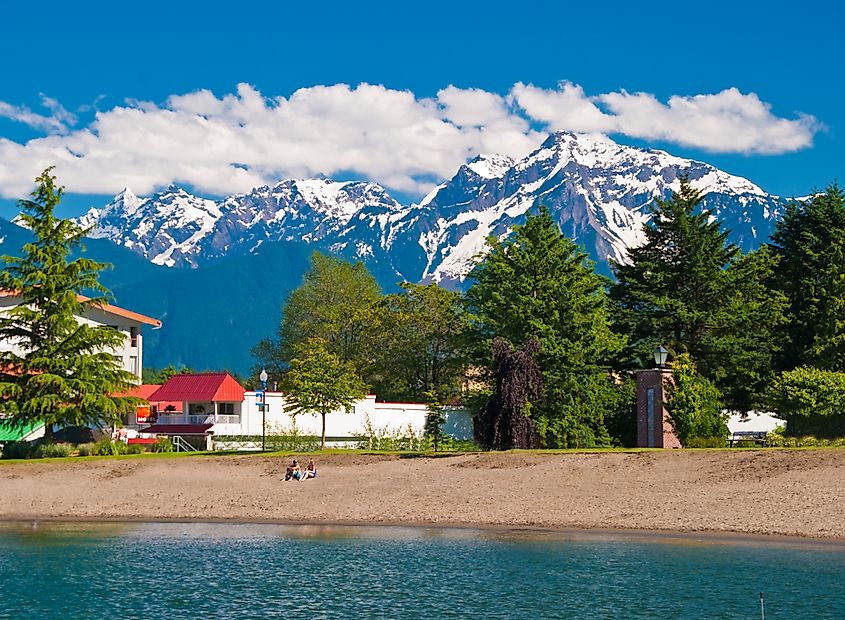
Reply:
x=177, y=429
x=204, y=387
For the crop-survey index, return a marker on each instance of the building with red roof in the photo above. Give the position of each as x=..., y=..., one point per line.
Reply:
x=205, y=399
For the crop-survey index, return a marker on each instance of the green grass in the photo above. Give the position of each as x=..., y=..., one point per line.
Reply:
x=399, y=453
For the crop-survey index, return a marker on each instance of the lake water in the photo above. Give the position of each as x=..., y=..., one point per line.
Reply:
x=149, y=570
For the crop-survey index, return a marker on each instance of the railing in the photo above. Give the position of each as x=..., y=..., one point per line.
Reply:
x=205, y=418
x=180, y=445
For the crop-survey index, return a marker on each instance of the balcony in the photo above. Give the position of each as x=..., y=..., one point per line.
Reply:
x=203, y=418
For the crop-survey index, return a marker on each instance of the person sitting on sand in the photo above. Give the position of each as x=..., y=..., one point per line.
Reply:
x=310, y=470
x=293, y=471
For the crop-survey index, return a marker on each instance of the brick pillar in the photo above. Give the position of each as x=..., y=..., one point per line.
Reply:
x=654, y=430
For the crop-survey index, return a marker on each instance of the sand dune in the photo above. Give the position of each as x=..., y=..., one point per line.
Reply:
x=798, y=493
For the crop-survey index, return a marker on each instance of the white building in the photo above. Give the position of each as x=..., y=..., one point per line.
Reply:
x=125, y=321
x=215, y=405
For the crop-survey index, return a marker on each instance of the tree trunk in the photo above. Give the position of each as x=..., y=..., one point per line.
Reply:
x=323, y=440
x=48, y=433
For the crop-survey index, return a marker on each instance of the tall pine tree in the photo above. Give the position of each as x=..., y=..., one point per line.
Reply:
x=810, y=242
x=539, y=284
x=60, y=371
x=690, y=289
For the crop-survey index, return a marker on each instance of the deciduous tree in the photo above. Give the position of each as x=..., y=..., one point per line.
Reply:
x=320, y=382
x=335, y=303
x=419, y=344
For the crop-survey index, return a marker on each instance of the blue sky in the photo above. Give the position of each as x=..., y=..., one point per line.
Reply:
x=556, y=64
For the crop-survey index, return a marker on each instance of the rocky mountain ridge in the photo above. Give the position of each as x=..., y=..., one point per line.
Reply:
x=599, y=191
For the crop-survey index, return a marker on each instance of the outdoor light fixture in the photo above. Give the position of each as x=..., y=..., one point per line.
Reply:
x=660, y=355
x=263, y=378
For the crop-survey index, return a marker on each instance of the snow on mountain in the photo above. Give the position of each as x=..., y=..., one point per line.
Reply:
x=600, y=193
x=165, y=228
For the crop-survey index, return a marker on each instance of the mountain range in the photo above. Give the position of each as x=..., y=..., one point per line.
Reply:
x=217, y=271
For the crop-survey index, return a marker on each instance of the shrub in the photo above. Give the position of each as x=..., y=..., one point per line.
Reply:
x=693, y=404
x=107, y=447
x=51, y=450
x=807, y=392
x=18, y=450
x=706, y=442
x=163, y=444
x=134, y=448
x=86, y=449
x=778, y=440
x=392, y=440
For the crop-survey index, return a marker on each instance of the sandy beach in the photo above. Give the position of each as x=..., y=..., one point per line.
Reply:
x=792, y=493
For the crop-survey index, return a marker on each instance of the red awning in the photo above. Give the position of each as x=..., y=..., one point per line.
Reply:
x=177, y=429
x=205, y=387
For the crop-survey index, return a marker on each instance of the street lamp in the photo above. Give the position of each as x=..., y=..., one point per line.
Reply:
x=263, y=378
x=660, y=355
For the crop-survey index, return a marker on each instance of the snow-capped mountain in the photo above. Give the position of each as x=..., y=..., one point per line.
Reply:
x=166, y=228
x=599, y=191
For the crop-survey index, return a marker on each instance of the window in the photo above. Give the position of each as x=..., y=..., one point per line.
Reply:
x=226, y=408
x=133, y=336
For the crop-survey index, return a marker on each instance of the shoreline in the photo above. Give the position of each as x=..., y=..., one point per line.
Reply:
x=564, y=532
x=773, y=495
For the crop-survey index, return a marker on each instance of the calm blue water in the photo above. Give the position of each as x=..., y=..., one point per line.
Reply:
x=256, y=571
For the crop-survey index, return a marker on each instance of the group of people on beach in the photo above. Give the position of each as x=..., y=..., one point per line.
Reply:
x=295, y=472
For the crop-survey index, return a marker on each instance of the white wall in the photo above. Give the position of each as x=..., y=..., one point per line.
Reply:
x=384, y=417
x=131, y=357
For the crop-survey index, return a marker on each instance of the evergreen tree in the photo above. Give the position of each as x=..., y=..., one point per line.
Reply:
x=65, y=372
x=320, y=382
x=419, y=341
x=334, y=303
x=689, y=289
x=810, y=242
x=538, y=284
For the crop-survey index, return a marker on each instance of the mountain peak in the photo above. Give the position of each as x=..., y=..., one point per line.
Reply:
x=490, y=166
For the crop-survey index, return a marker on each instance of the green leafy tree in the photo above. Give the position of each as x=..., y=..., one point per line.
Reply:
x=694, y=403
x=434, y=420
x=419, y=344
x=160, y=377
x=320, y=382
x=538, y=284
x=811, y=400
x=687, y=288
x=61, y=371
x=810, y=242
x=334, y=303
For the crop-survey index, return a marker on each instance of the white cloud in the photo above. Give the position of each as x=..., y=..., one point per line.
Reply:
x=57, y=122
x=726, y=121
x=240, y=140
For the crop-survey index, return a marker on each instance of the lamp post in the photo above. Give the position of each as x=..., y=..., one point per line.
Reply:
x=660, y=355
x=263, y=378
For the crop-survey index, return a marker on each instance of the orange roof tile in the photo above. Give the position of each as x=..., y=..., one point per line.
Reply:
x=111, y=309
